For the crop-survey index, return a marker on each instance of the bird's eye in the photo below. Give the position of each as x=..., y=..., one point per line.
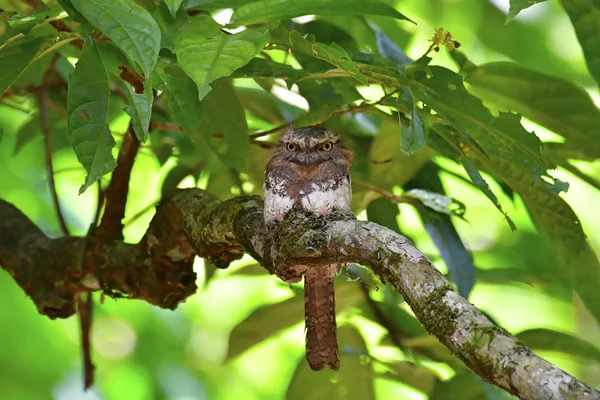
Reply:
x=326, y=146
x=291, y=147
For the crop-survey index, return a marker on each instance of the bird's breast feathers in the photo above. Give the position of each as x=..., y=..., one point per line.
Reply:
x=319, y=197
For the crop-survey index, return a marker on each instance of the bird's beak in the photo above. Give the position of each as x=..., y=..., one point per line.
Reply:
x=304, y=160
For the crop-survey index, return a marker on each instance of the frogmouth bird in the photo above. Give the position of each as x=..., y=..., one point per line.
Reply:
x=310, y=168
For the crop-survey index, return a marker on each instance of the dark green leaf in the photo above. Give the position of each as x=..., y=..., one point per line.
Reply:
x=140, y=110
x=585, y=17
x=414, y=136
x=267, y=106
x=87, y=108
x=412, y=375
x=17, y=57
x=128, y=25
x=181, y=93
x=549, y=340
x=503, y=135
x=402, y=167
x=333, y=54
x=354, y=380
x=173, y=6
x=261, y=325
x=384, y=212
x=215, y=4
x=21, y=23
x=438, y=202
x=467, y=386
x=389, y=50
x=481, y=183
x=72, y=11
x=206, y=54
x=263, y=68
x=174, y=177
x=169, y=25
x=222, y=115
x=555, y=103
x=516, y=6
x=264, y=11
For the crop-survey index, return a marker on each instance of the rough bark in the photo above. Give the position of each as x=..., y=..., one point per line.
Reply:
x=159, y=270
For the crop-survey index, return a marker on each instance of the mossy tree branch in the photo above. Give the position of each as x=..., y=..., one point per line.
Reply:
x=192, y=222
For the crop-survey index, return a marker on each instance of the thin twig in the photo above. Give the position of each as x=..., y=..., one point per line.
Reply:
x=85, y=308
x=351, y=110
x=43, y=106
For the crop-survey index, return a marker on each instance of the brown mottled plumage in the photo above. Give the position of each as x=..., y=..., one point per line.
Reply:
x=310, y=167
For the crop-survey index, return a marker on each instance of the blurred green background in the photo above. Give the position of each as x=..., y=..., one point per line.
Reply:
x=142, y=352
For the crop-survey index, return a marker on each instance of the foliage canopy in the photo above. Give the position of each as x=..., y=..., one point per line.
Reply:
x=207, y=85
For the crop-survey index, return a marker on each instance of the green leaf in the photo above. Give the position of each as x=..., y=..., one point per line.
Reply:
x=169, y=25
x=585, y=17
x=87, y=108
x=173, y=6
x=24, y=23
x=481, y=183
x=333, y=54
x=549, y=340
x=206, y=54
x=438, y=202
x=267, y=106
x=468, y=386
x=516, y=6
x=181, y=93
x=17, y=57
x=384, y=212
x=174, y=177
x=438, y=224
x=503, y=135
x=555, y=103
x=418, y=377
x=401, y=168
x=140, y=109
x=263, y=68
x=128, y=25
x=223, y=115
x=215, y=4
x=414, y=136
x=354, y=380
x=73, y=13
x=261, y=325
x=264, y=11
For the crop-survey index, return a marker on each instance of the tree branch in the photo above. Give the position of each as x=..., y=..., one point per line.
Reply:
x=191, y=221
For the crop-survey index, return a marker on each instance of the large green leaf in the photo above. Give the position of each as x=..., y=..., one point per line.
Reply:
x=17, y=57
x=128, y=25
x=414, y=136
x=181, y=93
x=206, y=54
x=516, y=6
x=87, y=108
x=173, y=6
x=503, y=135
x=139, y=109
x=222, y=115
x=264, y=11
x=354, y=380
x=549, y=340
x=555, y=103
x=261, y=325
x=333, y=54
x=585, y=17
